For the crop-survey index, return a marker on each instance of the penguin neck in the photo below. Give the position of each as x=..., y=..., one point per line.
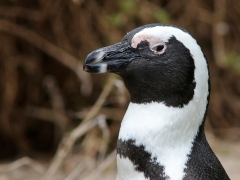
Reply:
x=154, y=124
x=166, y=133
x=157, y=124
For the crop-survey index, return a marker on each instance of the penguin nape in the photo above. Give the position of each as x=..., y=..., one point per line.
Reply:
x=162, y=133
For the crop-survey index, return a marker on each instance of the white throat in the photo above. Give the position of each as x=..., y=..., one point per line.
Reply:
x=166, y=132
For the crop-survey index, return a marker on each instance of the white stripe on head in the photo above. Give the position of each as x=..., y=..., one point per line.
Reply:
x=168, y=132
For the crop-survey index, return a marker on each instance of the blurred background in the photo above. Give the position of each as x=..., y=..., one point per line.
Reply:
x=58, y=122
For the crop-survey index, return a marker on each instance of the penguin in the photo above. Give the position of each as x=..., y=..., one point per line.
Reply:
x=162, y=133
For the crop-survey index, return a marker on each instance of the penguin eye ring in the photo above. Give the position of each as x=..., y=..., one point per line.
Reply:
x=159, y=48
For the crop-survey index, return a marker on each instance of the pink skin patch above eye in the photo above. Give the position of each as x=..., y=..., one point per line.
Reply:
x=153, y=40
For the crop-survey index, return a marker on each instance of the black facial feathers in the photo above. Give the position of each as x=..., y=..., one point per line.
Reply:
x=167, y=78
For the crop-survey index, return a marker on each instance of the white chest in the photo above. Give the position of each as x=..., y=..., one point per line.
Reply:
x=166, y=133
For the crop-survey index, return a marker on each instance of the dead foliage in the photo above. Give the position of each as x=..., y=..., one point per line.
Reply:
x=51, y=109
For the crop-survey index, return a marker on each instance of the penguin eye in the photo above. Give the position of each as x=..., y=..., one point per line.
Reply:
x=159, y=48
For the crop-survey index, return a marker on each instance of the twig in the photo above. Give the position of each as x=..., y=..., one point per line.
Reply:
x=9, y=91
x=204, y=15
x=101, y=99
x=121, y=92
x=57, y=53
x=86, y=163
x=109, y=112
x=67, y=142
x=21, y=162
x=40, y=113
x=111, y=158
x=73, y=175
x=57, y=102
x=65, y=146
x=106, y=135
x=218, y=33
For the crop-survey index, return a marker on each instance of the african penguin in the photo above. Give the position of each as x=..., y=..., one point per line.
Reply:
x=162, y=133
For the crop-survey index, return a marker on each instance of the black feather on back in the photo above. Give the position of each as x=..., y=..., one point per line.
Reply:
x=202, y=162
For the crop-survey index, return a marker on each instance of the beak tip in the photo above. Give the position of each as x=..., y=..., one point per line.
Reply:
x=108, y=59
x=93, y=62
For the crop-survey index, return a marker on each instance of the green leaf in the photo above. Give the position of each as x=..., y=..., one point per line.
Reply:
x=116, y=20
x=128, y=5
x=162, y=16
x=233, y=61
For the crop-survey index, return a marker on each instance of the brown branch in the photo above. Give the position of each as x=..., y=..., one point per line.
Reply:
x=57, y=102
x=22, y=162
x=86, y=164
x=101, y=99
x=68, y=142
x=57, y=53
x=217, y=36
x=107, y=162
x=40, y=113
x=20, y=12
x=110, y=113
x=65, y=147
x=204, y=15
x=105, y=139
x=9, y=94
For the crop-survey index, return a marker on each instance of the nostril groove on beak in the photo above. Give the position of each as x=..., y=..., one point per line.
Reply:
x=94, y=57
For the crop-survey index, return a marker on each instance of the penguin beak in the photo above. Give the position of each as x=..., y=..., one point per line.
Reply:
x=113, y=58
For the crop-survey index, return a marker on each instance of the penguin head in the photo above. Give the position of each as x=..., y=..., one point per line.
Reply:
x=158, y=63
